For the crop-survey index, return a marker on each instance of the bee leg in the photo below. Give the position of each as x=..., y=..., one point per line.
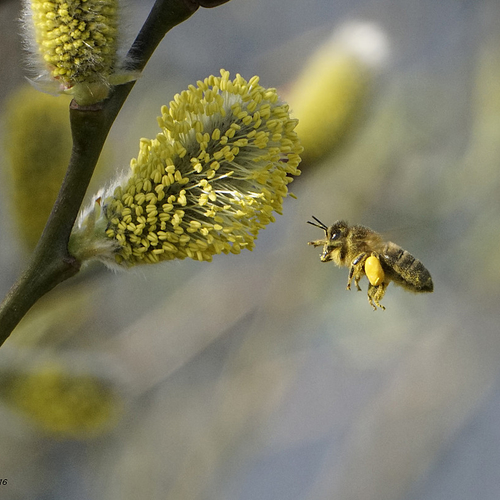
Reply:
x=349, y=278
x=357, y=270
x=357, y=277
x=375, y=295
x=354, y=273
x=317, y=243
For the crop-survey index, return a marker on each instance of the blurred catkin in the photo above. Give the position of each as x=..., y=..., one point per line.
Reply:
x=329, y=94
x=62, y=403
x=38, y=146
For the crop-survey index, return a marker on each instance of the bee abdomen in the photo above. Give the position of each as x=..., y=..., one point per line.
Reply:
x=406, y=270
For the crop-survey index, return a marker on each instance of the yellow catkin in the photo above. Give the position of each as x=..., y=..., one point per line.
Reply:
x=326, y=99
x=221, y=172
x=77, y=42
x=62, y=403
x=331, y=90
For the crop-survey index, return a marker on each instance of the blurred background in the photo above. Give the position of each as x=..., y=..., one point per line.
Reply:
x=258, y=376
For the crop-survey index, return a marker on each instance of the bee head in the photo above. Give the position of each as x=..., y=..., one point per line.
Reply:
x=334, y=237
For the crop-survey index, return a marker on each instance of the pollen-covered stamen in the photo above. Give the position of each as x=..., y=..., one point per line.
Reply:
x=211, y=179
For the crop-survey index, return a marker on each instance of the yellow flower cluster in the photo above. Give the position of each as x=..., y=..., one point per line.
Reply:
x=78, y=42
x=208, y=182
x=64, y=404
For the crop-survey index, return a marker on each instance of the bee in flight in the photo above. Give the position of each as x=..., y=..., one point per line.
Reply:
x=365, y=253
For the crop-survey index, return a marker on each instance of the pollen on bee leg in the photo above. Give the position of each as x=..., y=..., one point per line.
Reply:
x=374, y=271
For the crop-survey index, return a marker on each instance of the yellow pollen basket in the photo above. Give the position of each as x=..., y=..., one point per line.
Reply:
x=374, y=271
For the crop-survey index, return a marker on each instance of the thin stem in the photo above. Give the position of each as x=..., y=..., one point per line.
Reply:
x=51, y=263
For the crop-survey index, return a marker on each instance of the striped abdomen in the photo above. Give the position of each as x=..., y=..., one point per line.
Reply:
x=404, y=269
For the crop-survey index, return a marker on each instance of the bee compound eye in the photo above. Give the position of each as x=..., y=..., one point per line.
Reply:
x=374, y=271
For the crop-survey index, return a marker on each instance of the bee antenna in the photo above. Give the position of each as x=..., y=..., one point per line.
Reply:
x=318, y=223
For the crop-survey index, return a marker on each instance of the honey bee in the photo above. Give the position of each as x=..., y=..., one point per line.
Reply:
x=366, y=253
